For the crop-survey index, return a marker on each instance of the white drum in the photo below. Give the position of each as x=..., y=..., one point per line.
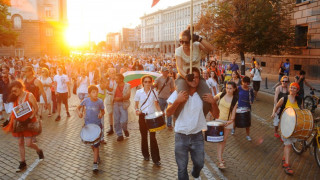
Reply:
x=91, y=134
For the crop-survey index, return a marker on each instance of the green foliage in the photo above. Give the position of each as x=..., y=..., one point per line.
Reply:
x=242, y=26
x=7, y=35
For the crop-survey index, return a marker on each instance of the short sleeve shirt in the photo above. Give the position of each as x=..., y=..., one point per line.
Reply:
x=149, y=106
x=62, y=83
x=166, y=91
x=186, y=59
x=93, y=109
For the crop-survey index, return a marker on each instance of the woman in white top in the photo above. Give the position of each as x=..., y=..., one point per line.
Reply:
x=214, y=78
x=146, y=102
x=256, y=78
x=46, y=83
x=183, y=63
x=83, y=84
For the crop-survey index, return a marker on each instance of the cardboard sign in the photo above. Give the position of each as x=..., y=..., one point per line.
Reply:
x=22, y=109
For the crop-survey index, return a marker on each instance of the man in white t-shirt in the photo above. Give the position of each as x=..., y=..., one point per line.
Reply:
x=189, y=125
x=256, y=78
x=61, y=82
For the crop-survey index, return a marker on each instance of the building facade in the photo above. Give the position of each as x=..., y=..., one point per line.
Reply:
x=160, y=30
x=113, y=41
x=41, y=25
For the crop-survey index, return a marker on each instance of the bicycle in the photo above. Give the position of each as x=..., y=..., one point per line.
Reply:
x=313, y=142
x=311, y=101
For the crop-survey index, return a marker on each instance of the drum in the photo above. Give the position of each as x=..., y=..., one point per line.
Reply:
x=155, y=121
x=296, y=123
x=243, y=118
x=91, y=134
x=215, y=132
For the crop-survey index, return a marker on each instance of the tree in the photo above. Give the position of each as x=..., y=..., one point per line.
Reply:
x=255, y=26
x=101, y=47
x=7, y=35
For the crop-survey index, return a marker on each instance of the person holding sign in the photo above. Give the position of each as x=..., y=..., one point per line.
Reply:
x=23, y=123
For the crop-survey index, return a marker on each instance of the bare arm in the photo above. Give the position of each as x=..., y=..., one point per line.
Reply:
x=182, y=97
x=276, y=107
x=34, y=105
x=276, y=94
x=206, y=46
x=40, y=86
x=180, y=67
x=214, y=107
x=79, y=111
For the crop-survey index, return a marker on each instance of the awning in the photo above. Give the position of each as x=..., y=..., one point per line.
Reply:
x=157, y=46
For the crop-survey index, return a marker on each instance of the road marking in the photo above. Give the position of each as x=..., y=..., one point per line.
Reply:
x=207, y=173
x=24, y=175
x=214, y=167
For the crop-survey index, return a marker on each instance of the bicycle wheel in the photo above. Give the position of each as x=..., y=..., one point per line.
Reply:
x=298, y=146
x=308, y=103
x=317, y=153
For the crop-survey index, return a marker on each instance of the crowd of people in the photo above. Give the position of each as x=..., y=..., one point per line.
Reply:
x=184, y=95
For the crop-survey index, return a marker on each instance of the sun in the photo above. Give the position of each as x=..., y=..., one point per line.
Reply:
x=76, y=37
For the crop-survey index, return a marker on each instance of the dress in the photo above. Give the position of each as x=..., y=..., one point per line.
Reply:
x=9, y=127
x=47, y=90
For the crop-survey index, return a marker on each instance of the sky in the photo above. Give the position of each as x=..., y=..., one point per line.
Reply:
x=98, y=17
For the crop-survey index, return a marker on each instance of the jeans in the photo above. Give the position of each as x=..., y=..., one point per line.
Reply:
x=184, y=144
x=163, y=105
x=155, y=155
x=120, y=118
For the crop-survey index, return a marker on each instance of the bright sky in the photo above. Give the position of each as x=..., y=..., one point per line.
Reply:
x=98, y=17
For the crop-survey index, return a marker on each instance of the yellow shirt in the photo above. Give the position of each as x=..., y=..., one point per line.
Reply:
x=293, y=105
x=228, y=76
x=224, y=108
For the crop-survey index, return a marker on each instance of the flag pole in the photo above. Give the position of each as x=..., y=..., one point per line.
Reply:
x=191, y=32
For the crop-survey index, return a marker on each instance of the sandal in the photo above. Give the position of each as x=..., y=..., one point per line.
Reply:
x=222, y=165
x=287, y=169
x=283, y=162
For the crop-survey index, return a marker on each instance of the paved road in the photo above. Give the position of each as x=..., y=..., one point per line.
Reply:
x=66, y=157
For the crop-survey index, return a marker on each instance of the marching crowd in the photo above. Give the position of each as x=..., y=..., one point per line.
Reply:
x=184, y=95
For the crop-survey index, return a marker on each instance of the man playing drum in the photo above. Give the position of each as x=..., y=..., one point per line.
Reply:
x=189, y=125
x=94, y=112
x=291, y=101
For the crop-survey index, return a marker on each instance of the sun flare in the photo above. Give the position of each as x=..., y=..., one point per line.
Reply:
x=76, y=37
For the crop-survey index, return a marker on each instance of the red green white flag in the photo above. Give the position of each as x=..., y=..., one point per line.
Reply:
x=154, y=2
x=134, y=77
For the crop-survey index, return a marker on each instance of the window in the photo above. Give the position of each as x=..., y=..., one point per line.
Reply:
x=301, y=38
x=19, y=52
x=17, y=22
x=49, y=32
x=48, y=11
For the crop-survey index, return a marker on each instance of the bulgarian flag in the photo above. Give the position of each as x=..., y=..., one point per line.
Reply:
x=154, y=2
x=134, y=77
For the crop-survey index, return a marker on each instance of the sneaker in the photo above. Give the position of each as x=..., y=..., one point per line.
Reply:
x=158, y=163
x=198, y=178
x=126, y=133
x=146, y=158
x=40, y=154
x=120, y=138
x=276, y=135
x=232, y=132
x=58, y=118
x=248, y=138
x=95, y=167
x=22, y=166
x=68, y=114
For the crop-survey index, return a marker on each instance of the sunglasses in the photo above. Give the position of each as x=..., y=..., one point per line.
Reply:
x=285, y=81
x=147, y=82
x=184, y=42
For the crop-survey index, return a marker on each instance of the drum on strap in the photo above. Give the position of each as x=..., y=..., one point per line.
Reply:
x=215, y=132
x=155, y=121
x=297, y=123
x=91, y=134
x=243, y=117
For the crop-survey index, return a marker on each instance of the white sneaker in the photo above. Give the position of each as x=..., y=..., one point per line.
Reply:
x=198, y=178
x=95, y=167
x=232, y=131
x=248, y=138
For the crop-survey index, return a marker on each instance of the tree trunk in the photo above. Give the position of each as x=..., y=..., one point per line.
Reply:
x=243, y=64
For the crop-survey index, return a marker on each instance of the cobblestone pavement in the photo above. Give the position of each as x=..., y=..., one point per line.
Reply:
x=66, y=157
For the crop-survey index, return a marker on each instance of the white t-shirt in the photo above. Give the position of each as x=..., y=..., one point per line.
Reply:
x=256, y=74
x=62, y=83
x=83, y=86
x=212, y=85
x=191, y=119
x=148, y=107
x=186, y=59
